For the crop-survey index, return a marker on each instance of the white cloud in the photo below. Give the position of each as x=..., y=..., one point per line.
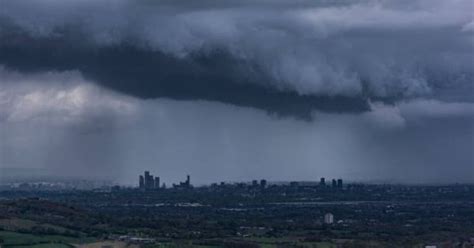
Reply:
x=57, y=98
x=419, y=109
x=416, y=111
x=385, y=116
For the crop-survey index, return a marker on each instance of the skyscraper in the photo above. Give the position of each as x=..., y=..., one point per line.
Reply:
x=339, y=183
x=141, y=183
x=157, y=183
x=263, y=183
x=254, y=183
x=322, y=182
x=147, y=181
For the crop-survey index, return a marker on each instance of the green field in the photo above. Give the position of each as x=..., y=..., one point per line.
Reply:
x=47, y=245
x=252, y=242
x=289, y=241
x=17, y=240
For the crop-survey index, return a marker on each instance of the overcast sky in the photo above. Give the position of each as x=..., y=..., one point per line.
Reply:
x=238, y=90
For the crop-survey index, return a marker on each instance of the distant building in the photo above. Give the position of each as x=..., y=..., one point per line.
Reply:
x=147, y=181
x=334, y=183
x=339, y=183
x=184, y=185
x=328, y=218
x=157, y=183
x=263, y=183
x=147, y=175
x=294, y=184
x=254, y=183
x=322, y=182
x=134, y=240
x=141, y=183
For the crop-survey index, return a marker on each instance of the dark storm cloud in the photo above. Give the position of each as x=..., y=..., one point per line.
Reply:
x=280, y=56
x=152, y=74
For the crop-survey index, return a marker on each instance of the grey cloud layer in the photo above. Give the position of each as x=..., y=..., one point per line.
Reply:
x=281, y=56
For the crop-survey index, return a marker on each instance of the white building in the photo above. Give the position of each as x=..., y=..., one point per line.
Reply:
x=328, y=218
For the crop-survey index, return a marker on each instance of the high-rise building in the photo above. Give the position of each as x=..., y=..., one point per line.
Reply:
x=322, y=182
x=334, y=183
x=254, y=183
x=147, y=181
x=184, y=185
x=263, y=183
x=151, y=183
x=141, y=183
x=157, y=183
x=339, y=183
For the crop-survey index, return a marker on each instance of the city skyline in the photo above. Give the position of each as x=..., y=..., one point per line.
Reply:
x=147, y=181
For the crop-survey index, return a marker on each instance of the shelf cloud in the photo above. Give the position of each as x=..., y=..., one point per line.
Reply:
x=285, y=57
